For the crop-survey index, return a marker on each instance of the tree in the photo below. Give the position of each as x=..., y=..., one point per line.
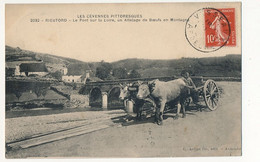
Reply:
x=103, y=70
x=110, y=77
x=40, y=91
x=57, y=75
x=18, y=94
x=134, y=74
x=120, y=73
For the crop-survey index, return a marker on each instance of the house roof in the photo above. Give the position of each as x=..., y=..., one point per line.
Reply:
x=77, y=69
x=13, y=64
x=33, y=67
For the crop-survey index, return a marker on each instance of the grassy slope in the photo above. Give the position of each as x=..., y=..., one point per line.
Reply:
x=229, y=65
x=53, y=63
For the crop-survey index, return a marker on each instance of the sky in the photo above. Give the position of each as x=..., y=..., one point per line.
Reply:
x=108, y=41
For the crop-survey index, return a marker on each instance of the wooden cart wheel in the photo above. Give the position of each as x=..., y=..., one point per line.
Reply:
x=211, y=94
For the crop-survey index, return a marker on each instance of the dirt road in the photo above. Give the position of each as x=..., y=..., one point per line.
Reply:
x=199, y=134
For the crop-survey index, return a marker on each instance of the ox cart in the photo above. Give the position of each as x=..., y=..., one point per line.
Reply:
x=207, y=92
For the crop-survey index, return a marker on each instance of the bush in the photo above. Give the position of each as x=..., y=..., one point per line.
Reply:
x=134, y=74
x=57, y=75
x=103, y=71
x=120, y=73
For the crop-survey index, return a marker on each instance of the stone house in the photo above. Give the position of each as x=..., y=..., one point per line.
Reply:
x=77, y=73
x=27, y=69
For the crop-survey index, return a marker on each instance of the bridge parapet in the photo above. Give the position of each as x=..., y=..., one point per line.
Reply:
x=114, y=82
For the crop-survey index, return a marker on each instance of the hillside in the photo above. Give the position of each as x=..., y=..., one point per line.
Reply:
x=229, y=65
x=53, y=63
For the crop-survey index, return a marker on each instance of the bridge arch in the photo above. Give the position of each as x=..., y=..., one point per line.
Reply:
x=114, y=87
x=113, y=98
x=95, y=97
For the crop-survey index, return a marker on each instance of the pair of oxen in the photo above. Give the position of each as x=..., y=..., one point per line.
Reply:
x=175, y=92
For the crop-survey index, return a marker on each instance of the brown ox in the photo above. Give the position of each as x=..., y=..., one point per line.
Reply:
x=164, y=92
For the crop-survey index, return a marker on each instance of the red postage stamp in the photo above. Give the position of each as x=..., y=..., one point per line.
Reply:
x=220, y=27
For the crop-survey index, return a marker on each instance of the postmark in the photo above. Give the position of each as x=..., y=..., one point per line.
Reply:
x=208, y=29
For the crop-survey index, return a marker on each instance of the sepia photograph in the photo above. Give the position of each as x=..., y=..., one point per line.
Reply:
x=123, y=80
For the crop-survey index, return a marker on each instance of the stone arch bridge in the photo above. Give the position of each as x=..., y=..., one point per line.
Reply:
x=105, y=91
x=101, y=93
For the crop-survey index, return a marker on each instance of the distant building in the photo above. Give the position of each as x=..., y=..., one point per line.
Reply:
x=72, y=78
x=77, y=73
x=65, y=71
x=27, y=69
x=10, y=69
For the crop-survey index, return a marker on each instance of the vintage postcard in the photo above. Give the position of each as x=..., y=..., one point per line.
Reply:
x=123, y=80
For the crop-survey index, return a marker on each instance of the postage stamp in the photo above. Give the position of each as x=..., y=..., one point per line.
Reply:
x=218, y=31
